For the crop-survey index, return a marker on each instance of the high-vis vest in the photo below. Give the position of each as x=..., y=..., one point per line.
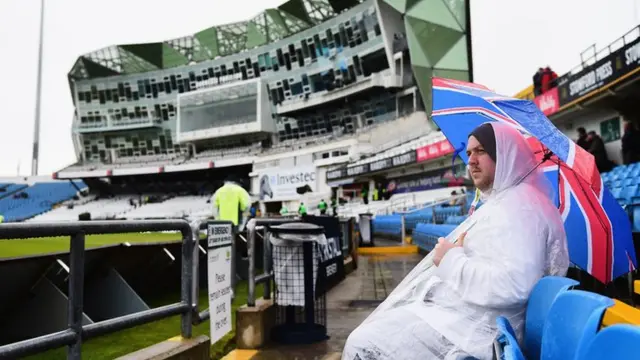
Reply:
x=231, y=199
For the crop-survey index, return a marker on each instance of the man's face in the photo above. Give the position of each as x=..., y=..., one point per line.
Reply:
x=482, y=168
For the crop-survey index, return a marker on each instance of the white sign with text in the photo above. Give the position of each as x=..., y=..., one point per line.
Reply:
x=281, y=184
x=220, y=237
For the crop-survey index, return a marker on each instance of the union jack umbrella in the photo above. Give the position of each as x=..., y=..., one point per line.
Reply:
x=598, y=230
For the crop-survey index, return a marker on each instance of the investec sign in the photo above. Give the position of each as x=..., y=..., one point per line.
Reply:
x=283, y=182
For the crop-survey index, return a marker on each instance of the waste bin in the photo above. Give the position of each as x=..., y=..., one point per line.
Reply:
x=365, y=225
x=301, y=310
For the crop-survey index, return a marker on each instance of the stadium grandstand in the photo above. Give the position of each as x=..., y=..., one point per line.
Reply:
x=288, y=96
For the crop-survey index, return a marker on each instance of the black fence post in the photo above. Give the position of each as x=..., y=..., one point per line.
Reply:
x=76, y=293
x=187, y=280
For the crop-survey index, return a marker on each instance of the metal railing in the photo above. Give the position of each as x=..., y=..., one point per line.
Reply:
x=598, y=55
x=76, y=333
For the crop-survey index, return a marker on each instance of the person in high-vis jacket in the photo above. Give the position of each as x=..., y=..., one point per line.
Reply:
x=229, y=201
x=322, y=206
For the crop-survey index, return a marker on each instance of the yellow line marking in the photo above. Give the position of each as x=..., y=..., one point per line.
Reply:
x=176, y=338
x=240, y=355
x=400, y=249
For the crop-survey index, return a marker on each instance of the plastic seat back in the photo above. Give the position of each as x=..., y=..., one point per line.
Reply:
x=542, y=297
x=636, y=218
x=616, y=342
x=506, y=340
x=575, y=316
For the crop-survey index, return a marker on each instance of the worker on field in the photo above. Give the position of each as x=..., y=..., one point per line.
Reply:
x=283, y=210
x=229, y=201
x=322, y=206
x=302, y=210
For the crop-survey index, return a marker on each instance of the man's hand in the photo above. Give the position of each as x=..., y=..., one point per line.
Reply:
x=444, y=246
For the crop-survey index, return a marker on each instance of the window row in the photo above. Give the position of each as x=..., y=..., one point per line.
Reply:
x=355, y=31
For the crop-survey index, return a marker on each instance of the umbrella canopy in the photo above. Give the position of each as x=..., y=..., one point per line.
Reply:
x=598, y=229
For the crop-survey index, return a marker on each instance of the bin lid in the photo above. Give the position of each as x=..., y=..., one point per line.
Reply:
x=297, y=228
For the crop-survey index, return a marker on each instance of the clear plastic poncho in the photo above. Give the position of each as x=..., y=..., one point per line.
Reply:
x=449, y=311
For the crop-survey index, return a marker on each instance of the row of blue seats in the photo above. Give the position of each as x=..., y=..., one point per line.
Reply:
x=622, y=172
x=40, y=197
x=426, y=236
x=391, y=225
x=624, y=183
x=562, y=323
x=626, y=195
x=7, y=189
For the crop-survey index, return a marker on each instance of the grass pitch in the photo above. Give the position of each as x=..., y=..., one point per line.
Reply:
x=47, y=245
x=127, y=341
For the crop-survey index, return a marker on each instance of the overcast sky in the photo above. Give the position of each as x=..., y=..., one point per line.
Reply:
x=511, y=39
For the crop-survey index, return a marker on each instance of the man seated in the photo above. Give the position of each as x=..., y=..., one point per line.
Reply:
x=517, y=237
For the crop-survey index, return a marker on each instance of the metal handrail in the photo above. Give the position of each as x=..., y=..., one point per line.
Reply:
x=432, y=204
x=604, y=52
x=76, y=332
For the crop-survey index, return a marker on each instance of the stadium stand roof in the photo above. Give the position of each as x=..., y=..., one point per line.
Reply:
x=270, y=25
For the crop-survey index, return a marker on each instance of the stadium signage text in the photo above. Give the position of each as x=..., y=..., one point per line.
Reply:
x=591, y=80
x=433, y=151
x=379, y=165
x=602, y=73
x=404, y=159
x=434, y=179
x=219, y=241
x=357, y=170
x=548, y=102
x=336, y=174
x=281, y=184
x=294, y=179
x=215, y=81
x=331, y=255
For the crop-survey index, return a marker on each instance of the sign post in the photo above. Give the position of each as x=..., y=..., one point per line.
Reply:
x=219, y=244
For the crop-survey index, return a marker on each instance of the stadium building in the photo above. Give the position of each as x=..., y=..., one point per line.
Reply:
x=280, y=100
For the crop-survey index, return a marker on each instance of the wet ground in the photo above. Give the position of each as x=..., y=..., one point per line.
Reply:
x=348, y=304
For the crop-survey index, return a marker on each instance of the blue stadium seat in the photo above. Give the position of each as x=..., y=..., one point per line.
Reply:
x=455, y=219
x=540, y=300
x=617, y=342
x=617, y=192
x=425, y=236
x=389, y=225
x=441, y=213
x=419, y=216
x=41, y=197
x=636, y=218
x=573, y=318
x=506, y=338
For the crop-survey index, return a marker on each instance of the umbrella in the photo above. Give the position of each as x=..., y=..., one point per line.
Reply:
x=598, y=230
